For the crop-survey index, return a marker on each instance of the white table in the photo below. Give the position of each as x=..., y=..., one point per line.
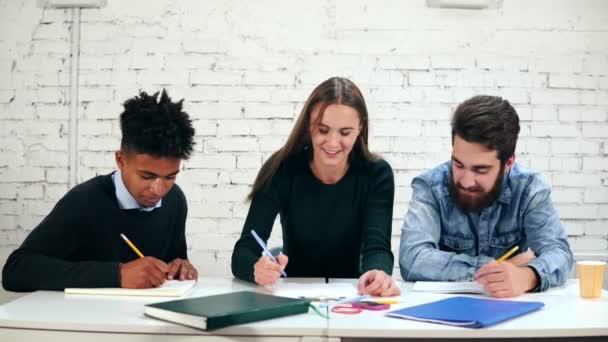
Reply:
x=45, y=315
x=50, y=315
x=565, y=315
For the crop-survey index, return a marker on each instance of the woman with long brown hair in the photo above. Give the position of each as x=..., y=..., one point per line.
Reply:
x=334, y=196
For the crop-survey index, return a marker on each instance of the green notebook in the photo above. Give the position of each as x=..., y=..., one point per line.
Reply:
x=212, y=312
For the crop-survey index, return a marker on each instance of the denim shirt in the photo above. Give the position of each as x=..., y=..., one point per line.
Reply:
x=439, y=242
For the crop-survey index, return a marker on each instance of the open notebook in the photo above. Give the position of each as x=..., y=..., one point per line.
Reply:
x=171, y=288
x=449, y=287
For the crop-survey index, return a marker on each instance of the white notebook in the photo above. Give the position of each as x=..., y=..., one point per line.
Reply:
x=449, y=287
x=171, y=288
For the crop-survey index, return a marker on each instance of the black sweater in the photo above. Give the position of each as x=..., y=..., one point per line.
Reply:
x=79, y=245
x=338, y=230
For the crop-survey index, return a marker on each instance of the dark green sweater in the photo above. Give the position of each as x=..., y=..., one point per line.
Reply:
x=339, y=230
x=78, y=244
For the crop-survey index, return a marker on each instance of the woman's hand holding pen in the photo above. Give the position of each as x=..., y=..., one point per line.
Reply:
x=266, y=271
x=377, y=283
x=143, y=273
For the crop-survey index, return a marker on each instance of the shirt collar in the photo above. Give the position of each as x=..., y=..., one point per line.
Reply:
x=125, y=200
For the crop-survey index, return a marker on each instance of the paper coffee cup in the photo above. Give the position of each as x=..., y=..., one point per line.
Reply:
x=591, y=278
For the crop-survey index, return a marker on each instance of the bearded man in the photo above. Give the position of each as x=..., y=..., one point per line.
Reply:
x=468, y=212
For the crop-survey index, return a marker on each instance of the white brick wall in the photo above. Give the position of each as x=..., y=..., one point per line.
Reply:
x=245, y=69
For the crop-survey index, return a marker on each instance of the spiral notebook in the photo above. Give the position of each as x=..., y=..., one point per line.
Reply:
x=467, y=312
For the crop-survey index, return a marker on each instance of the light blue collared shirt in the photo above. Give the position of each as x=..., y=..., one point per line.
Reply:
x=442, y=243
x=125, y=200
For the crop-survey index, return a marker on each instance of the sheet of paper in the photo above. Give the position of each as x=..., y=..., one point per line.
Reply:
x=314, y=291
x=171, y=288
x=449, y=287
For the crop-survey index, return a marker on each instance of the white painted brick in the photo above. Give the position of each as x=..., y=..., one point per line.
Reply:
x=573, y=228
x=31, y=191
x=94, y=62
x=397, y=94
x=271, y=144
x=204, y=127
x=47, y=158
x=380, y=144
x=269, y=78
x=572, y=81
x=593, y=97
x=557, y=64
x=379, y=77
x=577, y=146
x=589, y=244
x=452, y=62
x=216, y=77
x=555, y=131
x=94, y=127
x=198, y=46
x=603, y=82
x=100, y=144
x=157, y=77
x=554, y=96
x=532, y=145
x=46, y=111
x=599, y=227
x=56, y=175
x=436, y=129
x=249, y=161
x=212, y=161
x=226, y=93
x=7, y=96
x=264, y=110
x=101, y=110
x=155, y=45
x=595, y=64
x=595, y=130
x=22, y=174
x=198, y=176
x=544, y=113
x=501, y=62
x=578, y=113
x=95, y=93
x=598, y=195
x=230, y=144
x=53, y=192
x=214, y=110
x=382, y=128
x=8, y=190
x=277, y=127
x=576, y=211
x=602, y=211
x=103, y=159
x=595, y=164
x=576, y=180
x=566, y=195
x=33, y=62
x=539, y=163
x=209, y=210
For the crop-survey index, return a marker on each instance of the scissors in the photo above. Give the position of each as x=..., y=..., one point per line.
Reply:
x=358, y=307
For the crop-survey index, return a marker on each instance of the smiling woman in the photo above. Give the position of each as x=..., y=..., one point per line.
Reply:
x=334, y=196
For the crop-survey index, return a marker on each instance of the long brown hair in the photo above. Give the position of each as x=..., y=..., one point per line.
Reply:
x=336, y=90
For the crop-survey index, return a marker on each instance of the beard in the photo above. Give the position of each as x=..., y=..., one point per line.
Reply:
x=475, y=199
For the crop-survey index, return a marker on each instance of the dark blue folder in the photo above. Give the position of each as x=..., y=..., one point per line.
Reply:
x=467, y=312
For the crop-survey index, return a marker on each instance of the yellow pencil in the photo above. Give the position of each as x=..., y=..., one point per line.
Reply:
x=507, y=255
x=131, y=245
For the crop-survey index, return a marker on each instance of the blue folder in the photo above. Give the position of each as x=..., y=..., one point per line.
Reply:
x=467, y=311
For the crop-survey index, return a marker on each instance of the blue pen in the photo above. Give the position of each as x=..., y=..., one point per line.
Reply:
x=343, y=301
x=266, y=251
